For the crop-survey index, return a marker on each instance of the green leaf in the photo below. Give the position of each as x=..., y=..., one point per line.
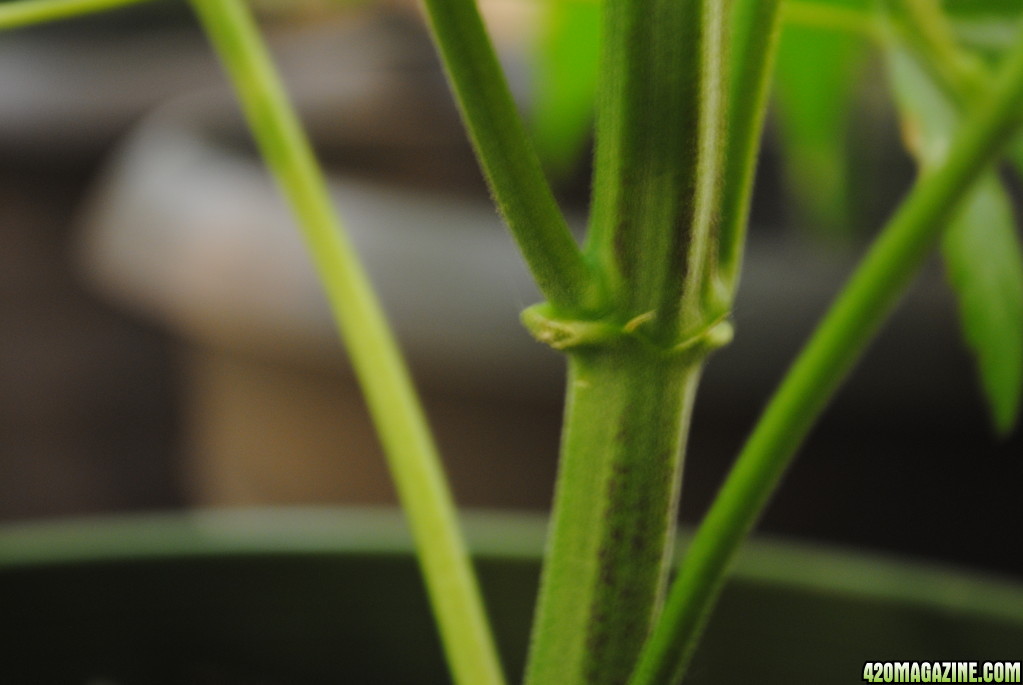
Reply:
x=981, y=247
x=565, y=82
x=814, y=92
x=993, y=9
x=982, y=256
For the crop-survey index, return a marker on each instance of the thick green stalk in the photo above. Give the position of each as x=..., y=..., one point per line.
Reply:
x=28, y=12
x=378, y=363
x=870, y=295
x=756, y=26
x=660, y=127
x=509, y=162
x=627, y=412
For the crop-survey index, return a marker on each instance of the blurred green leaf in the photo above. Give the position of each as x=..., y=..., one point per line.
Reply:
x=981, y=247
x=1000, y=9
x=989, y=27
x=565, y=82
x=982, y=256
x=989, y=35
x=814, y=92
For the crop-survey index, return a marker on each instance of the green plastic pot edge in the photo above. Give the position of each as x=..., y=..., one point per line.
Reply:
x=492, y=535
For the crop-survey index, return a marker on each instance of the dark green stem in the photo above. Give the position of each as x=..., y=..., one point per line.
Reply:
x=627, y=411
x=870, y=295
x=506, y=154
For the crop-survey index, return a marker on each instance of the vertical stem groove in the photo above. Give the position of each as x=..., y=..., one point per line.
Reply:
x=648, y=127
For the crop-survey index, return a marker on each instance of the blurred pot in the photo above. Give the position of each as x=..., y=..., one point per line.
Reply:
x=334, y=596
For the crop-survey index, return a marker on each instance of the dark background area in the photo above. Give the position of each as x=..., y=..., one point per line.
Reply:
x=88, y=419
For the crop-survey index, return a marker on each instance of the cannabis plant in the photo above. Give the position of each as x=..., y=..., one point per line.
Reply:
x=637, y=308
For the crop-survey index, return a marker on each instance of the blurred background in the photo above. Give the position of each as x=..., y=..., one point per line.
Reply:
x=163, y=343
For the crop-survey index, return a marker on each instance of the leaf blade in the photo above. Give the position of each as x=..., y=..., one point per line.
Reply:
x=982, y=260
x=981, y=248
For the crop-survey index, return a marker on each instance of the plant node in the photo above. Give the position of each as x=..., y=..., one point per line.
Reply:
x=567, y=334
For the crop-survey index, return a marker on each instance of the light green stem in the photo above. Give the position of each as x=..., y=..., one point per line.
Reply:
x=826, y=16
x=509, y=162
x=392, y=400
x=28, y=12
x=870, y=295
x=929, y=31
x=627, y=412
x=923, y=25
x=757, y=27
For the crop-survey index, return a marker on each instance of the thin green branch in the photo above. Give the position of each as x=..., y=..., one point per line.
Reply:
x=924, y=26
x=828, y=16
x=392, y=400
x=870, y=295
x=509, y=162
x=756, y=31
x=699, y=289
x=28, y=12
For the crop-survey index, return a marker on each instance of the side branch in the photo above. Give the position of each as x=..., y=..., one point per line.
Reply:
x=508, y=160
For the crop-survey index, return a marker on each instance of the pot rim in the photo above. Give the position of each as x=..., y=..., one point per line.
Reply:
x=492, y=535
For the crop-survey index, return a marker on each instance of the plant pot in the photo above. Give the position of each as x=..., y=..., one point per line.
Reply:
x=327, y=596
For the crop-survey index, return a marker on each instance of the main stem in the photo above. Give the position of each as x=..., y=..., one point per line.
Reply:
x=633, y=374
x=375, y=357
x=626, y=416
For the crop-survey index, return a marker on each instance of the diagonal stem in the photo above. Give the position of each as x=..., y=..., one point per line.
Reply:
x=28, y=12
x=509, y=162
